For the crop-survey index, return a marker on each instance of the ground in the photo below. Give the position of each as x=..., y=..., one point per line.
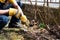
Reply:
x=33, y=33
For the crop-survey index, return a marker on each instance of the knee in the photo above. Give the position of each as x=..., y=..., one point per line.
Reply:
x=4, y=19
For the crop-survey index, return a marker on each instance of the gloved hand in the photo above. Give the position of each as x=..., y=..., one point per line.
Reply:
x=23, y=18
x=14, y=12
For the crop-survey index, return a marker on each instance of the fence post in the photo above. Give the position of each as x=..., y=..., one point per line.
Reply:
x=47, y=3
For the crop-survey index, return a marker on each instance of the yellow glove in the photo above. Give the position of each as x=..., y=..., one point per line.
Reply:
x=24, y=19
x=14, y=12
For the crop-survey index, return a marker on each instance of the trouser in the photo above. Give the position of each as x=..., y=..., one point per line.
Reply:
x=4, y=18
x=3, y=21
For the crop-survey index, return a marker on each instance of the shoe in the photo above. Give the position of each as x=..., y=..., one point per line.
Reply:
x=14, y=25
x=20, y=26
